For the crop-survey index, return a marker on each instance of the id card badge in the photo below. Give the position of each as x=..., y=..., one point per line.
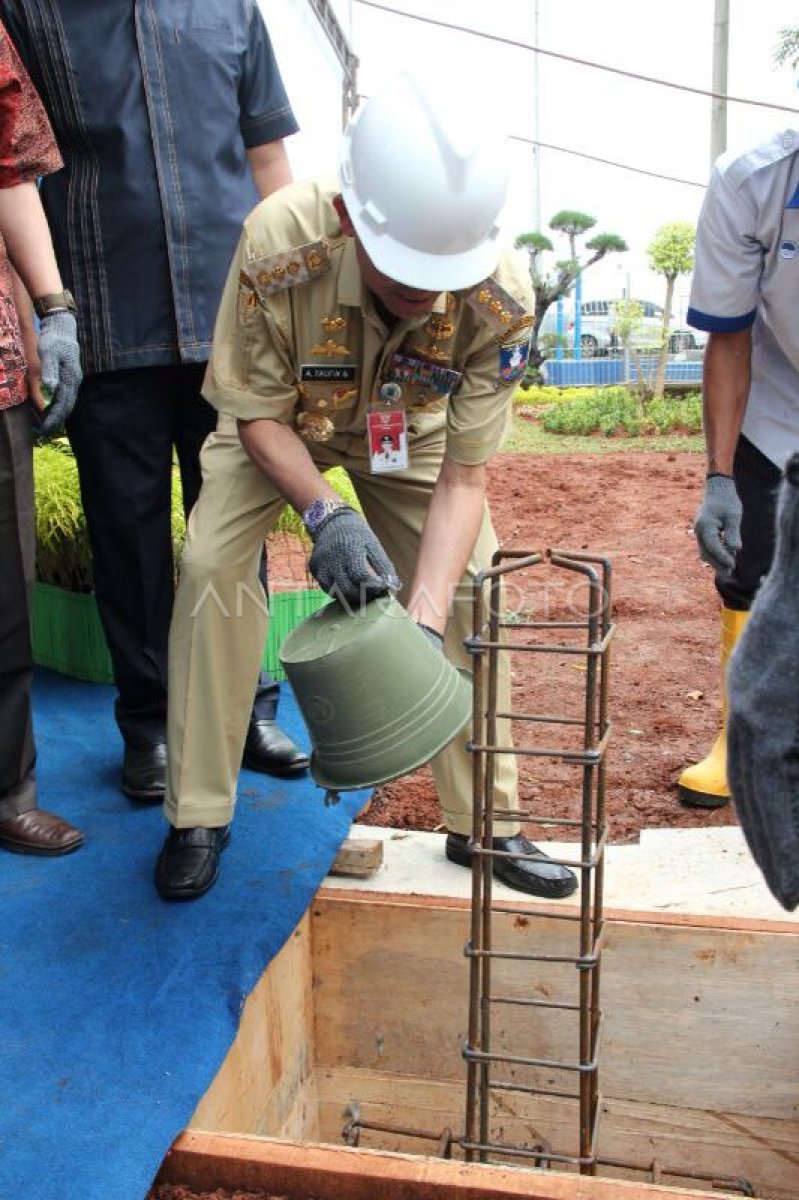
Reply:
x=387, y=432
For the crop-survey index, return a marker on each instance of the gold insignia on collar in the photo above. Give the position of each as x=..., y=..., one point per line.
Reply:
x=441, y=328
x=333, y=324
x=330, y=349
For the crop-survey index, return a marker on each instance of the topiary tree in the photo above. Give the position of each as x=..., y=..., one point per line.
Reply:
x=787, y=48
x=670, y=253
x=549, y=286
x=627, y=320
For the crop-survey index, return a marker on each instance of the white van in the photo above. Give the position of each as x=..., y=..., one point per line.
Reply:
x=598, y=329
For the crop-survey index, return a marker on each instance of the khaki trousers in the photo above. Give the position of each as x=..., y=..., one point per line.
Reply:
x=219, y=622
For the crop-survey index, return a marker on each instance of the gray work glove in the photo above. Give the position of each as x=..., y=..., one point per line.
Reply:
x=719, y=514
x=348, y=561
x=435, y=638
x=763, y=724
x=61, y=373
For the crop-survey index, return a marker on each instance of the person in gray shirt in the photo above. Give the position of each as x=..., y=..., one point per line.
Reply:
x=744, y=293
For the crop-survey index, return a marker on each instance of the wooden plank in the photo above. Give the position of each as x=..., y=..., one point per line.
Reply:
x=358, y=856
x=208, y=1161
x=618, y=915
x=762, y=1150
x=696, y=1017
x=261, y=1085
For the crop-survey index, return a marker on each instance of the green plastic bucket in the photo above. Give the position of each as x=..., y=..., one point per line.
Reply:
x=378, y=699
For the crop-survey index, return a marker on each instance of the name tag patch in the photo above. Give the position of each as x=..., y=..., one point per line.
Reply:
x=318, y=373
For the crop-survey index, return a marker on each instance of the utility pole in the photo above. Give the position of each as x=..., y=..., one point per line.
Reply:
x=718, y=112
x=536, y=131
x=335, y=35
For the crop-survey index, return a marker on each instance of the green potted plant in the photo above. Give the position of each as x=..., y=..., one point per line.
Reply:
x=66, y=629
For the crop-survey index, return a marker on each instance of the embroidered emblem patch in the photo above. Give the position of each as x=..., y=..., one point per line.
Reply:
x=513, y=360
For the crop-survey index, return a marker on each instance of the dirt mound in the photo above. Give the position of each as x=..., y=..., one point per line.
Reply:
x=637, y=509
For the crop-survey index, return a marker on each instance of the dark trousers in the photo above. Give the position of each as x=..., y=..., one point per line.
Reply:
x=124, y=430
x=757, y=480
x=17, y=753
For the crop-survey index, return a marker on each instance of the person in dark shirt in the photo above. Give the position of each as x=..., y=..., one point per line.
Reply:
x=169, y=136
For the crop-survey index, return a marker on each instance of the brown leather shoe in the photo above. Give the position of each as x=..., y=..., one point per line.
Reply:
x=39, y=832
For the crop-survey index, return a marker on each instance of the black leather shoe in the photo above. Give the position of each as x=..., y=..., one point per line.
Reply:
x=144, y=770
x=268, y=749
x=189, y=861
x=540, y=878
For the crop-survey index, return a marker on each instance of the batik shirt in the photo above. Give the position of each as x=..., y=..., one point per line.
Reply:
x=27, y=149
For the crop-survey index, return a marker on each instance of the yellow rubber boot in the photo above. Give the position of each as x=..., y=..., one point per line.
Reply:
x=704, y=785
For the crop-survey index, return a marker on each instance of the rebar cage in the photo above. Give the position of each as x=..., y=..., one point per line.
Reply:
x=579, y=635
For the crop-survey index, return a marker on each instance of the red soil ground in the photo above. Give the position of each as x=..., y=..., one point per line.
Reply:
x=637, y=509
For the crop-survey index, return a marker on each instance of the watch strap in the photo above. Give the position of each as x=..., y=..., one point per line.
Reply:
x=54, y=302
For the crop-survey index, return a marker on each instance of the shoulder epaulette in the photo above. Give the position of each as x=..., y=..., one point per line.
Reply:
x=287, y=269
x=501, y=311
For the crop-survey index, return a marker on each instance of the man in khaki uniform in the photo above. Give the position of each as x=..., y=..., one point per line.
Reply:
x=343, y=306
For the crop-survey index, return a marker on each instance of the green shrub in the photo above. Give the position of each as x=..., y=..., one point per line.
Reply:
x=63, y=553
x=668, y=415
x=539, y=394
x=614, y=411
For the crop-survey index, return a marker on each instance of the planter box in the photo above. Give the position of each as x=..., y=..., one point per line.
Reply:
x=68, y=635
x=286, y=610
x=364, y=1009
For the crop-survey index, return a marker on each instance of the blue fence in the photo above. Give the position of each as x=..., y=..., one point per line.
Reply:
x=604, y=372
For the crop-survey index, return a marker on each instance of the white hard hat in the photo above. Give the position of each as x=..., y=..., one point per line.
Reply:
x=424, y=185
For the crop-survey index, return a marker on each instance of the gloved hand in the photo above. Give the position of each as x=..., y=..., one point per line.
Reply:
x=435, y=638
x=61, y=372
x=720, y=513
x=348, y=561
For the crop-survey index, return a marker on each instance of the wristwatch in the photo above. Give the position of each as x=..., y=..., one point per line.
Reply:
x=318, y=510
x=54, y=302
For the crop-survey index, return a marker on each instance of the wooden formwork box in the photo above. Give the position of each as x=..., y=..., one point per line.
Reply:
x=365, y=1009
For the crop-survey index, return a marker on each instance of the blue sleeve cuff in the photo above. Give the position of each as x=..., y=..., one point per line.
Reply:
x=701, y=320
x=270, y=127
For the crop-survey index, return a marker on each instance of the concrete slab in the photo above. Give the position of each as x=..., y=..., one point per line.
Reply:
x=707, y=872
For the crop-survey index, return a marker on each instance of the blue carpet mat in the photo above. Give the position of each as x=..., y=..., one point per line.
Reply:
x=119, y=1007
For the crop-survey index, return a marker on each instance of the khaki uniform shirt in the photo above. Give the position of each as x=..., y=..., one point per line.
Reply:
x=299, y=339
